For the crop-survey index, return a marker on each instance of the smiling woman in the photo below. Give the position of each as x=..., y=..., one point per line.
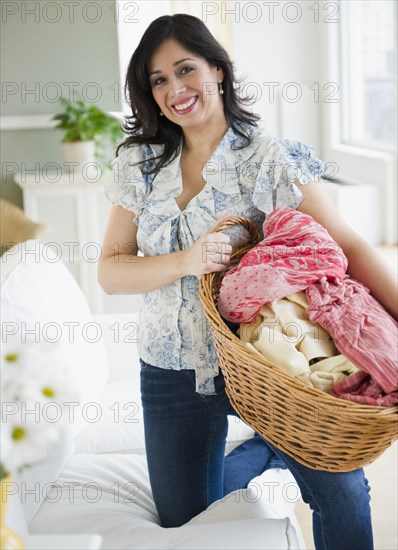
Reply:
x=186, y=85
x=192, y=156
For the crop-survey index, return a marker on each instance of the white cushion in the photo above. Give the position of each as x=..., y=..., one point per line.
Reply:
x=277, y=493
x=120, y=336
x=110, y=495
x=14, y=516
x=120, y=427
x=238, y=432
x=34, y=481
x=39, y=293
x=242, y=534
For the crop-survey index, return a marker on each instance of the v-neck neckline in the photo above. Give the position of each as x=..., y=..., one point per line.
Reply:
x=191, y=199
x=179, y=172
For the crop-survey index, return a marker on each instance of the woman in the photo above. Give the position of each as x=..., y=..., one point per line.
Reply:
x=192, y=156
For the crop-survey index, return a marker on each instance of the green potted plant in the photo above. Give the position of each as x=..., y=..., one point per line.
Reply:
x=88, y=132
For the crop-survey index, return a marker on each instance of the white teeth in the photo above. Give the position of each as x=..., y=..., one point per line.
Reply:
x=183, y=106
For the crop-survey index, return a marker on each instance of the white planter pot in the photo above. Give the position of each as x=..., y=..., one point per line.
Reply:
x=80, y=152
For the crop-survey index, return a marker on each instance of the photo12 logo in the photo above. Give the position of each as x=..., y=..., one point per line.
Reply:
x=69, y=11
x=269, y=12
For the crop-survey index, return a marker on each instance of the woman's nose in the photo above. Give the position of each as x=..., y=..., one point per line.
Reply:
x=176, y=88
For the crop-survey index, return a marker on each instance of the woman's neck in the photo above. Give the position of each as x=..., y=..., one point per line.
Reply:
x=203, y=143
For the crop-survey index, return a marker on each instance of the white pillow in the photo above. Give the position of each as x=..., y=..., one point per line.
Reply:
x=277, y=494
x=120, y=427
x=39, y=293
x=34, y=481
x=120, y=332
x=238, y=432
x=110, y=495
x=245, y=534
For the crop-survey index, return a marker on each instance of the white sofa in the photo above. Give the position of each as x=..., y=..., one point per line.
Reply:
x=95, y=481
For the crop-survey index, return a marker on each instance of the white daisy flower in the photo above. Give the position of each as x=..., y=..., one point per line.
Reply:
x=35, y=379
x=25, y=442
x=49, y=381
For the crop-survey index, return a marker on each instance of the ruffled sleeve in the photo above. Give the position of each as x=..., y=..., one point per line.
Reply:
x=283, y=163
x=126, y=185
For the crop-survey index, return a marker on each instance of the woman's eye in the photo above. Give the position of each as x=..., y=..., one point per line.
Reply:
x=157, y=81
x=186, y=70
x=161, y=79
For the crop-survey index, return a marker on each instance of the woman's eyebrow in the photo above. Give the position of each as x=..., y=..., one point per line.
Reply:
x=174, y=64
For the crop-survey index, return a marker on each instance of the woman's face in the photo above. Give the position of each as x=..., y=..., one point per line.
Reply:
x=185, y=86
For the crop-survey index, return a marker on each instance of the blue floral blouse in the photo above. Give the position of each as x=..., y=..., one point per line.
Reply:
x=174, y=332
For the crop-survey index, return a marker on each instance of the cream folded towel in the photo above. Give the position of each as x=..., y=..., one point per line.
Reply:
x=283, y=334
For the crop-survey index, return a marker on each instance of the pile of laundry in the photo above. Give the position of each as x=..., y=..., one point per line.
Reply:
x=299, y=309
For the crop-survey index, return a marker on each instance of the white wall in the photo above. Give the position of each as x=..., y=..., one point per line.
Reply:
x=276, y=47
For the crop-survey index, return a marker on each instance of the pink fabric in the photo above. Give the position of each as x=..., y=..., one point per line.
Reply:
x=364, y=332
x=295, y=253
x=360, y=388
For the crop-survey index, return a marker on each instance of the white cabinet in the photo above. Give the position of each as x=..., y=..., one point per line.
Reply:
x=75, y=210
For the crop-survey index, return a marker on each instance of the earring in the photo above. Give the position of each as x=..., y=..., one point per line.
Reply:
x=160, y=113
x=220, y=90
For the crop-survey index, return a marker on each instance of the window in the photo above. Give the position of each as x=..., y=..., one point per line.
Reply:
x=368, y=61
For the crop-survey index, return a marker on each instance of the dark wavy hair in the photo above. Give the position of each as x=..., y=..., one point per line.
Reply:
x=145, y=125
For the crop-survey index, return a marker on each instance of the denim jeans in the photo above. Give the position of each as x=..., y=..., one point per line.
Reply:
x=185, y=437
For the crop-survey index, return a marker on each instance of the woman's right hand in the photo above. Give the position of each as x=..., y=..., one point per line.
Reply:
x=210, y=253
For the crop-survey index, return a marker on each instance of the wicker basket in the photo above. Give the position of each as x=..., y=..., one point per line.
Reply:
x=317, y=429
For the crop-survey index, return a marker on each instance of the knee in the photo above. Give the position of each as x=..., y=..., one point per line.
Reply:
x=346, y=490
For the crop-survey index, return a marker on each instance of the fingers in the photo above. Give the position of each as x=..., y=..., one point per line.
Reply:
x=222, y=218
x=216, y=249
x=218, y=268
x=217, y=243
x=217, y=238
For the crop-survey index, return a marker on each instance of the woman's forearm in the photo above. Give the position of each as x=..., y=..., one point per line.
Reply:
x=128, y=274
x=367, y=266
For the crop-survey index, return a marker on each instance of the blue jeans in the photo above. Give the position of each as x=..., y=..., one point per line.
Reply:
x=185, y=437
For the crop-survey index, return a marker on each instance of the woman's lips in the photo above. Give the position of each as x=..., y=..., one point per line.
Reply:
x=185, y=107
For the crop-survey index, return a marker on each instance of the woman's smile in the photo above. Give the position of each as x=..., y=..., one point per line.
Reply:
x=185, y=106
